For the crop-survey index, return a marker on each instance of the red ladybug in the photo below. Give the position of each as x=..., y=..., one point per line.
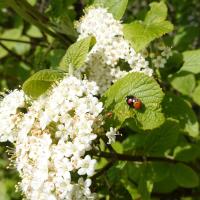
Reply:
x=134, y=102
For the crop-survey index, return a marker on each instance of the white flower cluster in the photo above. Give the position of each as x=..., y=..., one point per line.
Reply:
x=110, y=47
x=52, y=138
x=9, y=114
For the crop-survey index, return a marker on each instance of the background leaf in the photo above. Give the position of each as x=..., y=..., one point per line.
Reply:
x=191, y=61
x=161, y=139
x=175, y=107
x=183, y=82
x=185, y=176
x=116, y=7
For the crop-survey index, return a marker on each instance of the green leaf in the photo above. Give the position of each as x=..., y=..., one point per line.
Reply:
x=196, y=95
x=161, y=139
x=185, y=176
x=157, y=171
x=117, y=146
x=141, y=33
x=191, y=61
x=116, y=7
x=134, y=142
x=34, y=32
x=185, y=37
x=166, y=185
x=186, y=153
x=157, y=13
x=143, y=87
x=183, y=82
x=77, y=53
x=175, y=107
x=41, y=81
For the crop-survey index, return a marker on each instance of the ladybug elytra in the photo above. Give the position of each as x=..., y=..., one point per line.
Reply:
x=134, y=102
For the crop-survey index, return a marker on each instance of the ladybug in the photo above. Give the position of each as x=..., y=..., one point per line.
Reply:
x=134, y=102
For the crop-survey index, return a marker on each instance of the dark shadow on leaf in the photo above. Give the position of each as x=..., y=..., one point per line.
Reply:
x=175, y=107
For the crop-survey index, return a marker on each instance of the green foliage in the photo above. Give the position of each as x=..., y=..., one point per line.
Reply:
x=141, y=33
x=38, y=36
x=175, y=107
x=183, y=82
x=191, y=61
x=41, y=81
x=185, y=176
x=159, y=140
x=144, y=88
x=76, y=54
x=116, y=7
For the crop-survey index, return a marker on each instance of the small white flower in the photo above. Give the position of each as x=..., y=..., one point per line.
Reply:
x=87, y=166
x=111, y=135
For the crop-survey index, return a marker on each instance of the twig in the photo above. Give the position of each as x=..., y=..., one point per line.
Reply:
x=23, y=41
x=125, y=157
x=15, y=54
x=33, y=16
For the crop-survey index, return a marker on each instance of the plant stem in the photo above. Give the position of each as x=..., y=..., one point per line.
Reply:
x=23, y=41
x=18, y=57
x=126, y=157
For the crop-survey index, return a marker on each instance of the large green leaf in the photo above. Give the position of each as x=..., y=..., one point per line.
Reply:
x=175, y=107
x=188, y=152
x=183, y=82
x=185, y=176
x=41, y=81
x=191, y=61
x=143, y=87
x=161, y=139
x=141, y=33
x=76, y=54
x=116, y=7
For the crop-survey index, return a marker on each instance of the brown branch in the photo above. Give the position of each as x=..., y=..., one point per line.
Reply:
x=23, y=41
x=124, y=157
x=18, y=57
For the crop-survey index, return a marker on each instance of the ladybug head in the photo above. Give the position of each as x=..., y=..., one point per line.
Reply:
x=130, y=100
